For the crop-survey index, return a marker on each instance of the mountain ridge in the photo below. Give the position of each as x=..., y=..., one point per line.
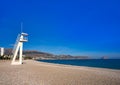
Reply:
x=34, y=54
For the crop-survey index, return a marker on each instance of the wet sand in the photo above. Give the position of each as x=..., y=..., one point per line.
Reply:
x=40, y=73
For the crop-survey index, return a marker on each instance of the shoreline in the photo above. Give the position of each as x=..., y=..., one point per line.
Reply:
x=41, y=73
x=80, y=65
x=75, y=66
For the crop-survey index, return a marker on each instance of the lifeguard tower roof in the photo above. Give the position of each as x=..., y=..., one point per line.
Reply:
x=24, y=34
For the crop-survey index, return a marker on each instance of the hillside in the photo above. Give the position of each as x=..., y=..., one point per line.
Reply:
x=33, y=54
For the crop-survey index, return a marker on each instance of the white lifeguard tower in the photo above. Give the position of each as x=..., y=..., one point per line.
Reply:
x=18, y=48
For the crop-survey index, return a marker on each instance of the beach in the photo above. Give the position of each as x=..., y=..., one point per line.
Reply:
x=32, y=72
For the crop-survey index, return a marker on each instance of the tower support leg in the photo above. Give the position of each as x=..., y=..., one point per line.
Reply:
x=18, y=48
x=20, y=53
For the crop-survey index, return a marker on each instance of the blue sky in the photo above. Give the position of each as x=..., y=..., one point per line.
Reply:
x=76, y=27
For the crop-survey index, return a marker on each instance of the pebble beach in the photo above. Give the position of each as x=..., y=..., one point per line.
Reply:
x=32, y=72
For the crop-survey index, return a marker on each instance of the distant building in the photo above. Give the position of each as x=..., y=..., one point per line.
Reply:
x=1, y=51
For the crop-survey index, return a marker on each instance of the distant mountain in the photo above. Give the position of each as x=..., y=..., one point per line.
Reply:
x=104, y=57
x=8, y=51
x=33, y=54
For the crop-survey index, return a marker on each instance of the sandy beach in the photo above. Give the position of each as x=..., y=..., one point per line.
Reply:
x=39, y=73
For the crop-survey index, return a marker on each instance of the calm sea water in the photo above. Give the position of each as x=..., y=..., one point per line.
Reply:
x=99, y=63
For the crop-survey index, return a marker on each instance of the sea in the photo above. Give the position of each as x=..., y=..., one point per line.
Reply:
x=99, y=63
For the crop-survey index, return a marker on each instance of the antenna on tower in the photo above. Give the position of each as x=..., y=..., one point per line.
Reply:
x=21, y=27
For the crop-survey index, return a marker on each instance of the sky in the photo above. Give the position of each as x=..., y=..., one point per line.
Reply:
x=75, y=27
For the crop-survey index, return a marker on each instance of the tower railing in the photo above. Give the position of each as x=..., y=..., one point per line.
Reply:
x=24, y=39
